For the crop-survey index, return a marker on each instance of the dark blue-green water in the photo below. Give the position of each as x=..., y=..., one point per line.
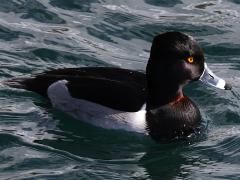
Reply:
x=39, y=142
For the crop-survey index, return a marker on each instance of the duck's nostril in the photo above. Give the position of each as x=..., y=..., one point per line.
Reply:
x=211, y=75
x=227, y=86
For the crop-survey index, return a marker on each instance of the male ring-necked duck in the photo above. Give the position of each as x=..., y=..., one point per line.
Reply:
x=114, y=98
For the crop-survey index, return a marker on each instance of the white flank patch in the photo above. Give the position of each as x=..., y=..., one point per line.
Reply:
x=93, y=113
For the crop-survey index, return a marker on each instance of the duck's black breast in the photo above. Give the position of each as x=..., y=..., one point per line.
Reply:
x=174, y=120
x=116, y=88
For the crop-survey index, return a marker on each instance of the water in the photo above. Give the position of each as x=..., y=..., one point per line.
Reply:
x=39, y=142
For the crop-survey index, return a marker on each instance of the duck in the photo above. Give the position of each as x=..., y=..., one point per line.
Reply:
x=150, y=102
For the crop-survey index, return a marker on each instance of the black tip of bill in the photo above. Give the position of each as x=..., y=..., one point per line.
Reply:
x=227, y=87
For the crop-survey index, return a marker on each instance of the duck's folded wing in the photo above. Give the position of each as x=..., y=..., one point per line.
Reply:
x=116, y=88
x=119, y=95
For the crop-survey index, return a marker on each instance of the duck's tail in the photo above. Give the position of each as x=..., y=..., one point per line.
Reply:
x=19, y=82
x=39, y=85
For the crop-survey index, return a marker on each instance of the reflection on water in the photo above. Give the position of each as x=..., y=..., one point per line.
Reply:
x=37, y=141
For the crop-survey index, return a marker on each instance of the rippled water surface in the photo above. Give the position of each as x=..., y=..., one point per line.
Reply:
x=39, y=142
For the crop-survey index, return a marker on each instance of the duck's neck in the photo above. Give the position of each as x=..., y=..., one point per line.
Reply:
x=166, y=94
x=162, y=87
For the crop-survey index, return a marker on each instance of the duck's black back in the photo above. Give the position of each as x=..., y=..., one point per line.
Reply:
x=116, y=88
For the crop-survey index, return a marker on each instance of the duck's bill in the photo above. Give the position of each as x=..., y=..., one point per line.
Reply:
x=208, y=77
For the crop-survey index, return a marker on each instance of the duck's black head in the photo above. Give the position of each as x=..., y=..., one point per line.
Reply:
x=175, y=60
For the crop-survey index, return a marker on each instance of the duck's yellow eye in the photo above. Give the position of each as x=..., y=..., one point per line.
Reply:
x=190, y=59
